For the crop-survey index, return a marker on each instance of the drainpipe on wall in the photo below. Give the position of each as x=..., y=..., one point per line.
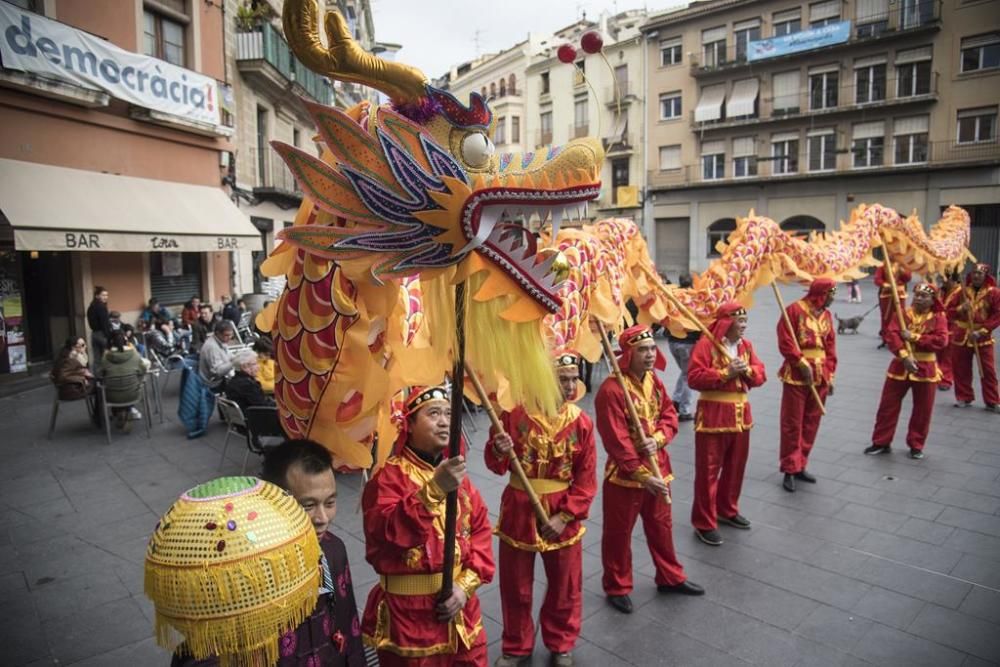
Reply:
x=649, y=223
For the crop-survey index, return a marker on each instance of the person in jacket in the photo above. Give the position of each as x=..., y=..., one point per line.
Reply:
x=99, y=321
x=122, y=362
x=214, y=362
x=975, y=315
x=71, y=373
x=243, y=387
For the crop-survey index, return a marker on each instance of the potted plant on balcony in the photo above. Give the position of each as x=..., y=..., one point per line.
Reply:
x=251, y=13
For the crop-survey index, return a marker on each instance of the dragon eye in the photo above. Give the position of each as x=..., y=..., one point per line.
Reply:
x=477, y=149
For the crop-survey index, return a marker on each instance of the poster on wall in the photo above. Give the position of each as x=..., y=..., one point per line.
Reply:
x=13, y=352
x=173, y=264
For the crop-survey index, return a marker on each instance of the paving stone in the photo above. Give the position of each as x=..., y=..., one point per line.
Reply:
x=77, y=595
x=905, y=550
x=973, y=543
x=982, y=603
x=925, y=531
x=888, y=607
x=982, y=571
x=971, y=501
x=830, y=530
x=871, y=517
x=106, y=628
x=886, y=646
x=957, y=630
x=976, y=521
x=921, y=584
x=834, y=627
x=144, y=652
x=767, y=603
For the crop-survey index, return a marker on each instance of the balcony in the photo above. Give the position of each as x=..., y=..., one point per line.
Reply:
x=264, y=58
x=577, y=131
x=543, y=138
x=626, y=89
x=621, y=145
x=940, y=154
x=899, y=22
x=882, y=95
x=274, y=180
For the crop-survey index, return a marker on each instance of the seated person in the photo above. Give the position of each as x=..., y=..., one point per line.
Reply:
x=155, y=311
x=201, y=328
x=331, y=636
x=122, y=361
x=191, y=310
x=116, y=320
x=70, y=373
x=243, y=387
x=163, y=339
x=265, y=364
x=129, y=331
x=214, y=362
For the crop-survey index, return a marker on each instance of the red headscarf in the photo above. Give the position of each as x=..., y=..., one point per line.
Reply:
x=724, y=318
x=566, y=358
x=631, y=337
x=818, y=290
x=987, y=271
x=930, y=288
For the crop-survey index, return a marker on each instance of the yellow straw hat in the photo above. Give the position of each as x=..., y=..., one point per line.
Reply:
x=232, y=566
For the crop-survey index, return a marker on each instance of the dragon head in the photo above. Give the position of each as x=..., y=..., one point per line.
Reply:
x=418, y=185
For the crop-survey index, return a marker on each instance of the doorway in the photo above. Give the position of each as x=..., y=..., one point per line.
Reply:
x=47, y=302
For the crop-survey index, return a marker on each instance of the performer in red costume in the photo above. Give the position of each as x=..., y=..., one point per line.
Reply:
x=927, y=332
x=812, y=362
x=981, y=298
x=404, y=508
x=951, y=297
x=722, y=421
x=885, y=305
x=559, y=457
x=631, y=489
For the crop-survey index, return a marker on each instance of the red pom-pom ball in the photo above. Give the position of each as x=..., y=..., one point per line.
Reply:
x=566, y=53
x=591, y=42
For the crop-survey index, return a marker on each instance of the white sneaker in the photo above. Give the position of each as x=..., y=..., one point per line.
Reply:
x=134, y=414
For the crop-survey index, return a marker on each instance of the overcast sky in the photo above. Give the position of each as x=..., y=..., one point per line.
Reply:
x=437, y=34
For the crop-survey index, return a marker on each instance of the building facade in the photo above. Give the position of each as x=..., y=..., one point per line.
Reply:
x=115, y=127
x=801, y=111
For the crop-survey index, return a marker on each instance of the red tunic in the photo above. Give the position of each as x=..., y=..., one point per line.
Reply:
x=404, y=535
x=886, y=306
x=722, y=405
x=625, y=466
x=985, y=303
x=817, y=342
x=561, y=450
x=932, y=331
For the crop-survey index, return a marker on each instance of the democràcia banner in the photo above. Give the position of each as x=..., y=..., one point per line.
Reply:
x=807, y=40
x=40, y=46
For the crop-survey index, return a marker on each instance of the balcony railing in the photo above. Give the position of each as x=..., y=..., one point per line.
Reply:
x=938, y=154
x=898, y=20
x=543, y=137
x=850, y=97
x=273, y=176
x=265, y=44
x=626, y=89
x=620, y=144
x=577, y=131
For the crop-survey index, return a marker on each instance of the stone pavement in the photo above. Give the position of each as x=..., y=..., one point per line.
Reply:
x=885, y=561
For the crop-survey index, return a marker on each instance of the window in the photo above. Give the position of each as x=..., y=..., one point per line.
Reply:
x=714, y=47
x=493, y=90
x=981, y=52
x=823, y=89
x=868, y=147
x=670, y=158
x=619, y=177
x=822, y=150
x=787, y=22
x=580, y=116
x=785, y=87
x=917, y=13
x=503, y=88
x=719, y=231
x=262, y=146
x=871, y=17
x=621, y=78
x=580, y=73
x=500, y=133
x=296, y=137
x=670, y=105
x=545, y=124
x=975, y=125
x=515, y=129
x=913, y=72
x=785, y=153
x=869, y=82
x=162, y=38
x=713, y=160
x=512, y=85
x=744, y=33
x=824, y=13
x=670, y=52
x=545, y=83
x=744, y=157
x=910, y=138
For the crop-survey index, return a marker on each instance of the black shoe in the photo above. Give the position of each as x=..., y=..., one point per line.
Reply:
x=683, y=588
x=788, y=483
x=622, y=603
x=942, y=387
x=875, y=450
x=963, y=404
x=916, y=453
x=685, y=417
x=992, y=407
x=710, y=537
x=805, y=477
x=736, y=521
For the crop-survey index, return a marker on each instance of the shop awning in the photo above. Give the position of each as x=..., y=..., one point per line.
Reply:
x=56, y=208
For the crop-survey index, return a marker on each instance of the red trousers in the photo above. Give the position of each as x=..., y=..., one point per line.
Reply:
x=944, y=358
x=800, y=415
x=891, y=403
x=477, y=656
x=719, y=462
x=622, y=506
x=963, y=360
x=561, y=609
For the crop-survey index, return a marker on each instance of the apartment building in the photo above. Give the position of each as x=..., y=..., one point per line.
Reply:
x=597, y=95
x=803, y=110
x=115, y=127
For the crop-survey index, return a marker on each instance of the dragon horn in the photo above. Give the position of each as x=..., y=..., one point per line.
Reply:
x=345, y=59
